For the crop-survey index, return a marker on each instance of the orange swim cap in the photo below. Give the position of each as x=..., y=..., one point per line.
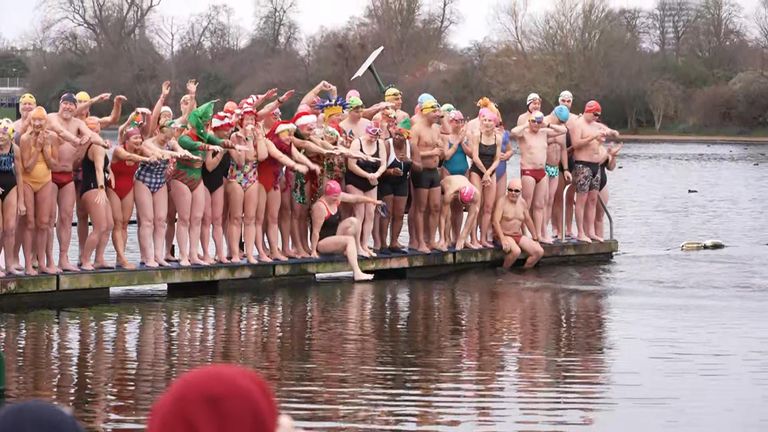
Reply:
x=39, y=113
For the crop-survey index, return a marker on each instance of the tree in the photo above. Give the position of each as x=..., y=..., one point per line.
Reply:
x=512, y=17
x=719, y=27
x=658, y=24
x=276, y=25
x=663, y=96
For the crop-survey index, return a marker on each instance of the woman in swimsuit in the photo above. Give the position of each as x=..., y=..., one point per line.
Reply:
x=330, y=234
x=486, y=152
x=125, y=162
x=243, y=191
x=362, y=178
x=456, y=164
x=12, y=196
x=151, y=193
x=609, y=157
x=281, y=152
x=38, y=154
x=93, y=195
x=393, y=188
x=214, y=170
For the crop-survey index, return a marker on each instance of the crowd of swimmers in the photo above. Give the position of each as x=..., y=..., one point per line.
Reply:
x=337, y=177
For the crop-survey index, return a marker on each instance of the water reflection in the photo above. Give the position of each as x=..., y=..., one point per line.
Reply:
x=470, y=350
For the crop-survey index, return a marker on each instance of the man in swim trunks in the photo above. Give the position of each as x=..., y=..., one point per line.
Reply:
x=532, y=138
x=588, y=136
x=457, y=188
x=429, y=147
x=533, y=102
x=62, y=174
x=510, y=214
x=557, y=158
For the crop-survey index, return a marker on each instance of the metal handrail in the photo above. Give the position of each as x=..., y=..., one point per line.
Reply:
x=602, y=204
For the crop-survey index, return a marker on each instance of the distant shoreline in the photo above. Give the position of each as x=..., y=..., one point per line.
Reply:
x=692, y=139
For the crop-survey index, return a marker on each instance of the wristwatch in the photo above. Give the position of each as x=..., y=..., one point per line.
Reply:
x=101, y=187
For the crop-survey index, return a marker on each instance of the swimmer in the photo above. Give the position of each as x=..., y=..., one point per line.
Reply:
x=510, y=215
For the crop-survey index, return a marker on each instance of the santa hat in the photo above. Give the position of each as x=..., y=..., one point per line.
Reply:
x=281, y=126
x=303, y=119
x=221, y=120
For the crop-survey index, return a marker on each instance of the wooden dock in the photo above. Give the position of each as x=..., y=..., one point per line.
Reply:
x=214, y=276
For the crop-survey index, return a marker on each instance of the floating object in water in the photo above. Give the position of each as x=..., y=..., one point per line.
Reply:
x=707, y=244
x=692, y=191
x=755, y=164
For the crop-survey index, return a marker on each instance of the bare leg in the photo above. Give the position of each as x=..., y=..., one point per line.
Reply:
x=421, y=199
x=101, y=246
x=182, y=198
x=600, y=215
x=43, y=225
x=217, y=219
x=195, y=222
x=581, y=203
x=489, y=196
x=397, y=212
x=557, y=206
x=160, y=213
x=299, y=214
x=260, y=210
x=540, y=194
x=29, y=249
x=476, y=181
x=359, y=214
x=413, y=238
x=433, y=207
x=126, y=207
x=205, y=226
x=170, y=229
x=66, y=201
x=570, y=199
x=82, y=222
x=344, y=242
x=285, y=223
x=273, y=210
x=534, y=251
x=383, y=224
x=589, y=215
x=236, y=197
x=9, y=229
x=99, y=214
x=146, y=215
x=548, y=210
x=249, y=221
x=512, y=253
x=457, y=218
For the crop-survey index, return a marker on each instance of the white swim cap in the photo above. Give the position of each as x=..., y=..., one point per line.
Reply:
x=532, y=97
x=565, y=94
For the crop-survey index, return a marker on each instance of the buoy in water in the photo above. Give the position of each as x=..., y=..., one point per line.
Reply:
x=692, y=191
x=707, y=244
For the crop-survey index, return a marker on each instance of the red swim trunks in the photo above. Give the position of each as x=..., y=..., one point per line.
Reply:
x=62, y=179
x=537, y=174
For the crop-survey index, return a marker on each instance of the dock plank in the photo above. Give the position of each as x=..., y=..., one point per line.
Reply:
x=27, y=284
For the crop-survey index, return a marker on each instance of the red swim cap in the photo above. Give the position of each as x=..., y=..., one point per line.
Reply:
x=332, y=188
x=593, y=107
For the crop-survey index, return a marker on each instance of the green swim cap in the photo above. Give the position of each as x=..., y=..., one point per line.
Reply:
x=447, y=108
x=355, y=102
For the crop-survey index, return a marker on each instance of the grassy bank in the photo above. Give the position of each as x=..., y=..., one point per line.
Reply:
x=7, y=112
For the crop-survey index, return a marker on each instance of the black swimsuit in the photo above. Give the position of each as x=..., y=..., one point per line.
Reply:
x=395, y=185
x=486, y=153
x=89, y=173
x=331, y=222
x=213, y=180
x=7, y=173
x=370, y=167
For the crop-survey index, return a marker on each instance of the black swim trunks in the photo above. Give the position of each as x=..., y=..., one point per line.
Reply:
x=427, y=178
x=586, y=176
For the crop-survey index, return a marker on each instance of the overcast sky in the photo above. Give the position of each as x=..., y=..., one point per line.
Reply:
x=476, y=15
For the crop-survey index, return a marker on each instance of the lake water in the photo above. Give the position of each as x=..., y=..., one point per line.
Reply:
x=658, y=339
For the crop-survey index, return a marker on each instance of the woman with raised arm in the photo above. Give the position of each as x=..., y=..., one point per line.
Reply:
x=330, y=234
x=486, y=154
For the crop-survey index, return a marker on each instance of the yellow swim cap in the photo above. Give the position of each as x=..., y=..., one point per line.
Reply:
x=83, y=97
x=6, y=127
x=39, y=113
x=430, y=106
x=392, y=94
x=27, y=97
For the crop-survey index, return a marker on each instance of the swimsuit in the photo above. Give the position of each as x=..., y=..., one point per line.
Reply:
x=568, y=145
x=213, y=180
x=427, y=178
x=40, y=174
x=152, y=174
x=331, y=222
x=370, y=167
x=124, y=174
x=188, y=171
x=62, y=178
x=88, y=169
x=270, y=169
x=396, y=185
x=552, y=170
x=517, y=237
x=457, y=164
x=586, y=176
x=486, y=153
x=603, y=176
x=537, y=173
x=502, y=168
x=7, y=173
x=246, y=176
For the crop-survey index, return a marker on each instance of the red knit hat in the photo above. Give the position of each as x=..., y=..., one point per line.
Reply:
x=216, y=398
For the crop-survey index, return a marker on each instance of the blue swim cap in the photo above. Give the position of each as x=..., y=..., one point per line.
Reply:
x=425, y=97
x=562, y=113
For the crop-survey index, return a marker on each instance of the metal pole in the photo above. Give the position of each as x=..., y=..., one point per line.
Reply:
x=2, y=379
x=376, y=76
x=608, y=214
x=565, y=205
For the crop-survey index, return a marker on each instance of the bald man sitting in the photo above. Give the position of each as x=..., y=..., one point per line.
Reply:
x=508, y=218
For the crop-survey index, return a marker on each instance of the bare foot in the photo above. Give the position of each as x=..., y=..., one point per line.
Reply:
x=87, y=266
x=441, y=247
x=475, y=246
x=197, y=261
x=363, y=253
x=151, y=264
x=290, y=253
x=584, y=239
x=363, y=277
x=302, y=254
x=68, y=267
x=102, y=265
x=50, y=270
x=423, y=249
x=2, y=274
x=222, y=260
x=459, y=245
x=486, y=244
x=30, y=271
x=279, y=257
x=18, y=268
x=171, y=258
x=184, y=262
x=252, y=260
x=545, y=240
x=396, y=246
x=163, y=263
x=596, y=238
x=236, y=259
x=264, y=258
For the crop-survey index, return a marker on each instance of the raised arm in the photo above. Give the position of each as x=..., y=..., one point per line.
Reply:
x=358, y=199
x=84, y=107
x=518, y=130
x=114, y=116
x=554, y=130
x=154, y=119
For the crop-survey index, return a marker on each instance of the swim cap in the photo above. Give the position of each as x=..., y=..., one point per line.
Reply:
x=83, y=97
x=131, y=132
x=68, y=97
x=352, y=93
x=488, y=113
x=562, y=113
x=466, y=194
x=93, y=124
x=6, y=127
x=221, y=120
x=332, y=188
x=38, y=113
x=392, y=94
x=592, y=107
x=355, y=102
x=284, y=126
x=456, y=115
x=167, y=109
x=430, y=106
x=447, y=108
x=537, y=116
x=424, y=97
x=27, y=97
x=532, y=97
x=304, y=119
x=230, y=107
x=565, y=94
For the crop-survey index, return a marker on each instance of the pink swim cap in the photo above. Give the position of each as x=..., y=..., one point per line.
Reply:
x=487, y=113
x=332, y=188
x=466, y=194
x=352, y=93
